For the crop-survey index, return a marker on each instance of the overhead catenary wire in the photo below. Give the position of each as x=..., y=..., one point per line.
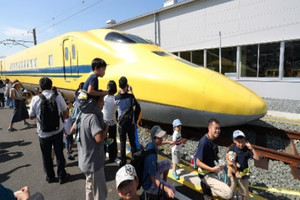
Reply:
x=62, y=20
x=61, y=14
x=67, y=18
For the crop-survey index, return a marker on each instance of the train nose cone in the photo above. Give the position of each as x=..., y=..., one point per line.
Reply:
x=231, y=98
x=257, y=106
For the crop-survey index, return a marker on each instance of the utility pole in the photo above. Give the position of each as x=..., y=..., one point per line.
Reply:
x=34, y=36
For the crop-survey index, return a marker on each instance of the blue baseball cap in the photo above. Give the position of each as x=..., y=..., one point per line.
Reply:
x=176, y=122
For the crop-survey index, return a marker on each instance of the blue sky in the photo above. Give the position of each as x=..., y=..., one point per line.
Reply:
x=54, y=17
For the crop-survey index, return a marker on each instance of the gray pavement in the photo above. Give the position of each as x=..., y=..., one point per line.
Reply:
x=21, y=165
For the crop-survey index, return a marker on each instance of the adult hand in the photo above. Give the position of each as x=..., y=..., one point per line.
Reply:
x=169, y=192
x=22, y=194
x=216, y=169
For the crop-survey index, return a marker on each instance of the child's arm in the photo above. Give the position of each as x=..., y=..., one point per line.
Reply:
x=65, y=133
x=72, y=130
x=184, y=140
x=168, y=142
x=255, y=154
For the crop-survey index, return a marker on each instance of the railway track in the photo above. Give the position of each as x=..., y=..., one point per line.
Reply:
x=288, y=155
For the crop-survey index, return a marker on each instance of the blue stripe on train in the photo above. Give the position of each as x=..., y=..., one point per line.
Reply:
x=73, y=71
x=48, y=75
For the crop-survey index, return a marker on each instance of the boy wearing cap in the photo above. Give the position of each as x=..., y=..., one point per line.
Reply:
x=127, y=182
x=244, y=151
x=91, y=84
x=152, y=169
x=177, y=146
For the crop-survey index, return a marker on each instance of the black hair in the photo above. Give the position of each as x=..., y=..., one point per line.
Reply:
x=98, y=63
x=80, y=86
x=123, y=82
x=112, y=87
x=213, y=120
x=45, y=83
x=97, y=98
x=15, y=81
x=54, y=89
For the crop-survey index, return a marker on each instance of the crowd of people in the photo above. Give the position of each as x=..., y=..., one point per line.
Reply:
x=93, y=120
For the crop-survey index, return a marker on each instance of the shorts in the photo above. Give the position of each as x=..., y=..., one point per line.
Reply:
x=175, y=157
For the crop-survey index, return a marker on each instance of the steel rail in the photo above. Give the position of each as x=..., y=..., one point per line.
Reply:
x=291, y=159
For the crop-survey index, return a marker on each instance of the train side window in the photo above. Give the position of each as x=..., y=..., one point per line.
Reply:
x=35, y=62
x=269, y=60
x=50, y=60
x=292, y=59
x=73, y=51
x=66, y=53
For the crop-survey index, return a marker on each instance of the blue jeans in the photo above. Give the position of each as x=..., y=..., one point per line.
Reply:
x=68, y=143
x=46, y=147
x=9, y=102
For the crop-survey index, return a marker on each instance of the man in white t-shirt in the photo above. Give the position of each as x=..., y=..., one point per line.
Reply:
x=53, y=138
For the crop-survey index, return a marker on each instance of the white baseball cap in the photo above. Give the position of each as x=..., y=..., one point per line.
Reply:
x=238, y=133
x=125, y=173
x=156, y=131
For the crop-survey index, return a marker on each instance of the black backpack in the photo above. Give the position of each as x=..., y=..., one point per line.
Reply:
x=49, y=114
x=138, y=163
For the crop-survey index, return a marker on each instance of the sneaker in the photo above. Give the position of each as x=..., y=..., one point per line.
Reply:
x=52, y=180
x=63, y=180
x=70, y=157
x=26, y=124
x=11, y=129
x=108, y=141
x=174, y=175
x=117, y=160
x=207, y=197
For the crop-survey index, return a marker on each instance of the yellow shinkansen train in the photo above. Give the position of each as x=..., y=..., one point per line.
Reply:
x=166, y=86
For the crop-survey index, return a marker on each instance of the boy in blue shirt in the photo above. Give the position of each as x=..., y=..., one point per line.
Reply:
x=91, y=84
x=244, y=151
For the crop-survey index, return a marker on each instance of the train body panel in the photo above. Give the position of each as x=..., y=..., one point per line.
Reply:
x=166, y=86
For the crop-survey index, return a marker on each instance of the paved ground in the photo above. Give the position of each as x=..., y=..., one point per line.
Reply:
x=21, y=164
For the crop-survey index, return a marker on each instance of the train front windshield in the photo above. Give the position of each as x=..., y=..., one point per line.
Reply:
x=125, y=38
x=133, y=39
